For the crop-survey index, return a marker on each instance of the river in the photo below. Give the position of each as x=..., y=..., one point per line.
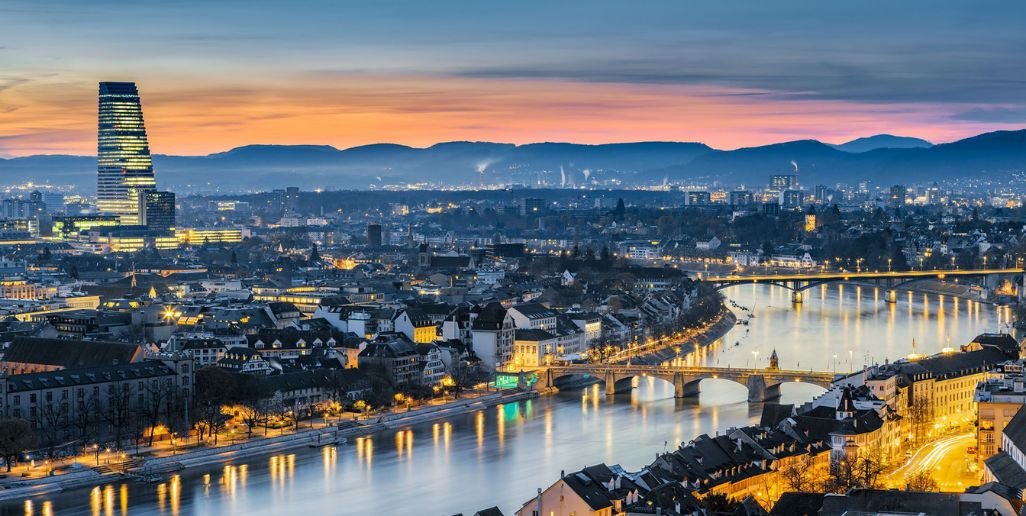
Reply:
x=501, y=455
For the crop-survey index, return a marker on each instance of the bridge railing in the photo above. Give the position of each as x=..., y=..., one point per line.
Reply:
x=585, y=368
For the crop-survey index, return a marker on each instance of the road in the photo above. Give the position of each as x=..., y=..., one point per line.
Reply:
x=945, y=459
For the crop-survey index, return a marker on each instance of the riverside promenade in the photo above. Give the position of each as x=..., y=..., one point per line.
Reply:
x=162, y=460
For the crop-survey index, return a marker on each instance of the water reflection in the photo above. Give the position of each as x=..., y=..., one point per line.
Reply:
x=855, y=323
x=523, y=446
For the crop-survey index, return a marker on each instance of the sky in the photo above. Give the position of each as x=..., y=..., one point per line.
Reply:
x=216, y=74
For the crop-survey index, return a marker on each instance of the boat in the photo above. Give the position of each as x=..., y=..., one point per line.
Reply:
x=328, y=441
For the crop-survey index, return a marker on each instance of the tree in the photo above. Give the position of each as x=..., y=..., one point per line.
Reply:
x=118, y=410
x=82, y=418
x=921, y=481
x=254, y=411
x=53, y=420
x=16, y=436
x=463, y=375
x=158, y=395
x=800, y=475
x=214, y=388
x=719, y=503
x=859, y=472
x=314, y=255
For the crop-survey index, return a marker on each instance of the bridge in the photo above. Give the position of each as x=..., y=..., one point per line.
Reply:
x=799, y=282
x=762, y=384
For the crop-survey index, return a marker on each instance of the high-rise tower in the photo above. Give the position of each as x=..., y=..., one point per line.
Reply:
x=124, y=170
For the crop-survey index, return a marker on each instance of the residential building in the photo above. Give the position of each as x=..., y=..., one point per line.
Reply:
x=396, y=356
x=492, y=336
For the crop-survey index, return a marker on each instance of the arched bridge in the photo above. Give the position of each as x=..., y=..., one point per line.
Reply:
x=799, y=282
x=762, y=384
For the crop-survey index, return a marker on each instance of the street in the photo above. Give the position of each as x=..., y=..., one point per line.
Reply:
x=945, y=459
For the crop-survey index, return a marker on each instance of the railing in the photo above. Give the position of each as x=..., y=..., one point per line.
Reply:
x=849, y=275
x=688, y=369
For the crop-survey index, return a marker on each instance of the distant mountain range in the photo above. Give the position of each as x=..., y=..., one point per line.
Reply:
x=881, y=158
x=883, y=141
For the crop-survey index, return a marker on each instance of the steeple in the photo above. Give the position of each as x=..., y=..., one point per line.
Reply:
x=774, y=361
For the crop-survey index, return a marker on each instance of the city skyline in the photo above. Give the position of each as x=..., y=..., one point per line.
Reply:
x=728, y=76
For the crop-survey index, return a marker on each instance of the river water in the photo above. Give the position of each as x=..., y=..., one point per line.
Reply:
x=501, y=455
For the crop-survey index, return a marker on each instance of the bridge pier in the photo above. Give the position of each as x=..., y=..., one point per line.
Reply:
x=610, y=380
x=756, y=388
x=684, y=387
x=892, y=296
x=796, y=297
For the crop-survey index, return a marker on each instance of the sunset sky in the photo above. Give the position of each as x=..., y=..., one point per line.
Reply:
x=222, y=73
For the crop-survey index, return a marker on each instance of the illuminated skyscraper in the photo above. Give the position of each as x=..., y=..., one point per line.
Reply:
x=159, y=210
x=124, y=169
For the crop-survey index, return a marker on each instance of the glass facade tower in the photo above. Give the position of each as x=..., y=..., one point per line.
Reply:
x=124, y=171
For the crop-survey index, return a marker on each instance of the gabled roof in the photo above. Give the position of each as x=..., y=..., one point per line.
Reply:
x=593, y=493
x=534, y=311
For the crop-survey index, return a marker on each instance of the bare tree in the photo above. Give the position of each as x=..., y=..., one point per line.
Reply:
x=16, y=436
x=158, y=395
x=800, y=474
x=859, y=472
x=254, y=411
x=118, y=410
x=463, y=375
x=921, y=481
x=82, y=418
x=53, y=420
x=920, y=415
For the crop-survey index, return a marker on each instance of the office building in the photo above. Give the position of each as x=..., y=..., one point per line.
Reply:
x=276, y=201
x=824, y=194
x=374, y=235
x=124, y=167
x=792, y=199
x=697, y=198
x=781, y=182
x=159, y=210
x=741, y=198
x=531, y=206
x=898, y=196
x=292, y=198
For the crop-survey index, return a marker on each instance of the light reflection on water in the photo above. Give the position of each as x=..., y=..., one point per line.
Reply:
x=502, y=454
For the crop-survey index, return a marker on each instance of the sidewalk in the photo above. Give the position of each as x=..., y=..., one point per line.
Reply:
x=162, y=459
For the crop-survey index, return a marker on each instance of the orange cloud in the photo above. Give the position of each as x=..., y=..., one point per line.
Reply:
x=189, y=116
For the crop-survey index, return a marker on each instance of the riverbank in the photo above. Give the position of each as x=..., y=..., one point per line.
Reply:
x=84, y=476
x=713, y=333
